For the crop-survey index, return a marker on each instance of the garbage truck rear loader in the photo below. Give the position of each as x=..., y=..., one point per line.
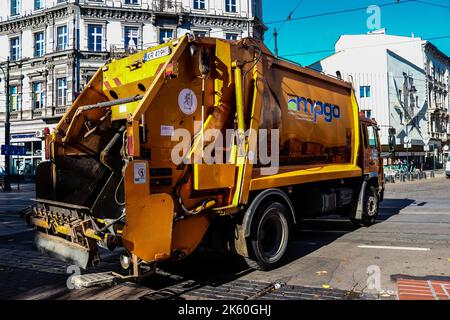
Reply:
x=203, y=140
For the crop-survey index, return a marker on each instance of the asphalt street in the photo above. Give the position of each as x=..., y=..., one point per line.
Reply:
x=328, y=259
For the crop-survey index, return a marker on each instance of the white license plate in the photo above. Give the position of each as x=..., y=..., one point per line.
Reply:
x=152, y=55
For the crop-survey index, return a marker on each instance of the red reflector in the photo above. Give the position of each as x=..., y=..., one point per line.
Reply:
x=47, y=145
x=172, y=70
x=130, y=146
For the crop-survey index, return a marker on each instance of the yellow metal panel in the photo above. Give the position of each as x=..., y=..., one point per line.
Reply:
x=356, y=128
x=216, y=176
x=121, y=112
x=148, y=229
x=307, y=174
x=188, y=233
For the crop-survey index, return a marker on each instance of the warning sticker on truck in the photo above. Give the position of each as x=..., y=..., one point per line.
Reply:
x=167, y=131
x=140, y=173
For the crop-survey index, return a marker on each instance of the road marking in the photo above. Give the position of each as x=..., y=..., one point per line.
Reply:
x=394, y=248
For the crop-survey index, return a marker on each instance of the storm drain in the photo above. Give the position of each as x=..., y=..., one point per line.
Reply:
x=252, y=290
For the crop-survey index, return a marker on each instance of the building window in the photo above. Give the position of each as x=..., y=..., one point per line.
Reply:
x=15, y=48
x=37, y=4
x=230, y=5
x=131, y=37
x=95, y=35
x=199, y=4
x=364, y=91
x=367, y=113
x=200, y=34
x=165, y=35
x=15, y=7
x=131, y=1
x=61, y=41
x=39, y=44
x=38, y=95
x=231, y=36
x=14, y=98
x=61, y=94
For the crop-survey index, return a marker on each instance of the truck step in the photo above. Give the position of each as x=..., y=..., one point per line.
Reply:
x=93, y=279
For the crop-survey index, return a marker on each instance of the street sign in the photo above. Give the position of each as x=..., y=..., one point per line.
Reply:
x=407, y=145
x=446, y=148
x=406, y=140
x=10, y=150
x=426, y=148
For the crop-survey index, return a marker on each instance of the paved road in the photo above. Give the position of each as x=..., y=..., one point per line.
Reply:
x=329, y=258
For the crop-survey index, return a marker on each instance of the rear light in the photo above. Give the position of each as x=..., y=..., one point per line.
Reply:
x=172, y=70
x=130, y=146
x=48, y=140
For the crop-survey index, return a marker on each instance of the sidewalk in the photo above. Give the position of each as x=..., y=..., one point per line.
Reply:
x=11, y=203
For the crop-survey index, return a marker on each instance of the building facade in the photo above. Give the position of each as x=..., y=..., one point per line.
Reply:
x=55, y=46
x=403, y=83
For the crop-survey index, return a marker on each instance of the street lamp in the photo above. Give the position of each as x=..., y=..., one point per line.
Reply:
x=6, y=184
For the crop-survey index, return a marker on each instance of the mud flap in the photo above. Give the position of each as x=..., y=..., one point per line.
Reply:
x=64, y=250
x=360, y=207
x=149, y=218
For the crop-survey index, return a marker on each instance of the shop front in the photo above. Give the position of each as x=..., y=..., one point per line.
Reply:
x=26, y=165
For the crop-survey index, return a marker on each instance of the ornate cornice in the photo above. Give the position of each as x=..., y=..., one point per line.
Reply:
x=115, y=13
x=35, y=20
x=43, y=18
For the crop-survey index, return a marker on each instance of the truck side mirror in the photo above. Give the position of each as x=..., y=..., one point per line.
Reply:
x=392, y=143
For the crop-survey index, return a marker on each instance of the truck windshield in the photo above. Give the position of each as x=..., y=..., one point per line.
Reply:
x=372, y=136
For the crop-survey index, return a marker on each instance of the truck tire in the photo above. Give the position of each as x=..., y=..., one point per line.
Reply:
x=370, y=208
x=269, y=237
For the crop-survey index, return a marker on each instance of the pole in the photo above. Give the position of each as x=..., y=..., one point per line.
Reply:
x=248, y=21
x=407, y=146
x=7, y=129
x=275, y=38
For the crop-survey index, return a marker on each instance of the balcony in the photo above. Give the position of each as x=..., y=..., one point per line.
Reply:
x=37, y=114
x=443, y=136
x=167, y=6
x=44, y=114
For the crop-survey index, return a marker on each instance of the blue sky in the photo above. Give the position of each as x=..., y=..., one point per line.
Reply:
x=320, y=33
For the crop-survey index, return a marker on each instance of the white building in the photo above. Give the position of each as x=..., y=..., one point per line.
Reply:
x=402, y=82
x=55, y=46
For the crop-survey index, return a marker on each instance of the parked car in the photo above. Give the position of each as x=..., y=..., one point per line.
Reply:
x=447, y=167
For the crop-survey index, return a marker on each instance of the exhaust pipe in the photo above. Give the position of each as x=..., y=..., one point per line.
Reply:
x=66, y=251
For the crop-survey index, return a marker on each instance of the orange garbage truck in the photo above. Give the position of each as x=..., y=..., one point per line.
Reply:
x=203, y=142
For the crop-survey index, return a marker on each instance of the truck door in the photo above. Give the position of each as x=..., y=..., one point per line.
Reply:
x=373, y=152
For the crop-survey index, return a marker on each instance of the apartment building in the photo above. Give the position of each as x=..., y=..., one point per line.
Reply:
x=55, y=46
x=403, y=82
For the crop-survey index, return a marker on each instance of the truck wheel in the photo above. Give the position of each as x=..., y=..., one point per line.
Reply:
x=269, y=237
x=370, y=209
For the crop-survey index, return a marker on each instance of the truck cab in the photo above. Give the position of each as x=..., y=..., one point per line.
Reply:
x=371, y=163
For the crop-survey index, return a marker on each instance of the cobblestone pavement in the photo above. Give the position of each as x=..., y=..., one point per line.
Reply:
x=326, y=261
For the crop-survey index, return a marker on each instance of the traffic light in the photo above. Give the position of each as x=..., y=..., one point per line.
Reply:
x=392, y=143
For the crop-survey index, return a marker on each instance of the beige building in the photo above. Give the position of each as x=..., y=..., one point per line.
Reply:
x=55, y=46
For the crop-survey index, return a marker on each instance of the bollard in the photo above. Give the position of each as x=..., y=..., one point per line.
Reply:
x=432, y=174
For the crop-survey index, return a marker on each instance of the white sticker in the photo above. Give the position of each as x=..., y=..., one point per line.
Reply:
x=140, y=173
x=187, y=100
x=123, y=108
x=167, y=131
x=159, y=53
